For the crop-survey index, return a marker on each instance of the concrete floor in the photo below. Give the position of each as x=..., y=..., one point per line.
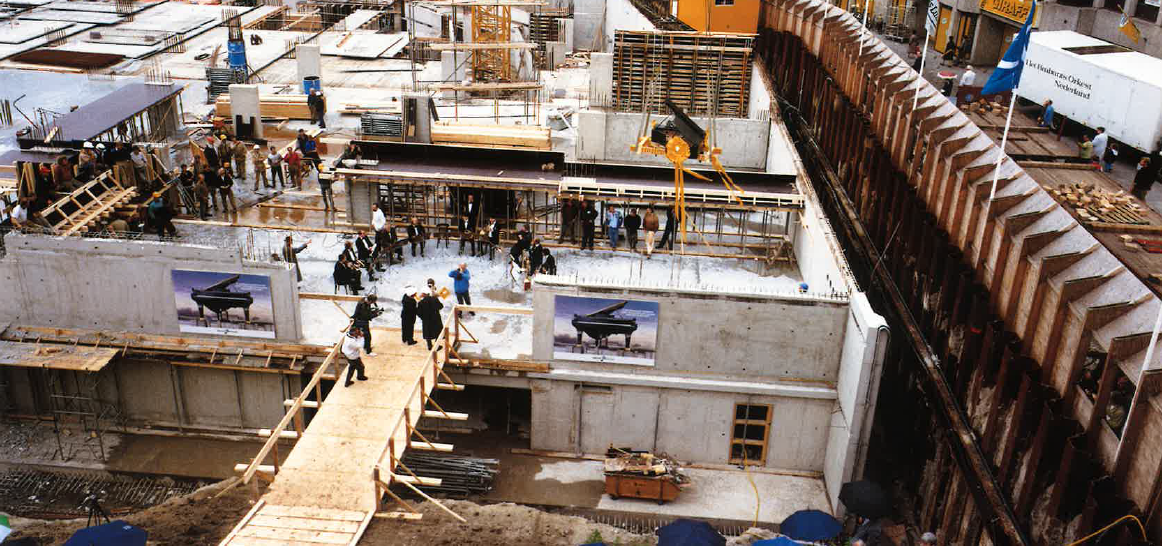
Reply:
x=26, y=443
x=712, y=494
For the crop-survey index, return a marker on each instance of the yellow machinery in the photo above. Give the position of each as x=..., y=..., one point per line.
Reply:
x=674, y=138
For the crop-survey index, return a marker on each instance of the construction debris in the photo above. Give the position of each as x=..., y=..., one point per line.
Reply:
x=1094, y=204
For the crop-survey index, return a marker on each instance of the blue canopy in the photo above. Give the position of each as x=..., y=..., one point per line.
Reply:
x=810, y=525
x=779, y=541
x=688, y=532
x=116, y=533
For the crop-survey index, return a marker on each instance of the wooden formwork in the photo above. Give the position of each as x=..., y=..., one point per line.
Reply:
x=701, y=72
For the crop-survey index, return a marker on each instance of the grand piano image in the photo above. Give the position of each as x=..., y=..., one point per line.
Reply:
x=220, y=299
x=601, y=324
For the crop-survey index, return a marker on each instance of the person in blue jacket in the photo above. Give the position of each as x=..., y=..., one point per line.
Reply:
x=461, y=277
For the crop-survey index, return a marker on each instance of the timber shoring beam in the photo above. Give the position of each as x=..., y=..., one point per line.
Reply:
x=976, y=467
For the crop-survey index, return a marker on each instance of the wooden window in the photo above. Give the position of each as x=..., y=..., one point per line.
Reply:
x=748, y=440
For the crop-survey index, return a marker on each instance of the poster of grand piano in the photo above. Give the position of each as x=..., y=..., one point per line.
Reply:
x=227, y=304
x=605, y=330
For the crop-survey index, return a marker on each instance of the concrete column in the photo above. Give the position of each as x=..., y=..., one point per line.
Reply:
x=567, y=34
x=310, y=61
x=590, y=134
x=1098, y=4
x=244, y=107
x=453, y=67
x=600, y=78
x=423, y=119
x=1131, y=7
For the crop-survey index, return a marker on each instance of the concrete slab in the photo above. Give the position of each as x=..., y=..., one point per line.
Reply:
x=22, y=31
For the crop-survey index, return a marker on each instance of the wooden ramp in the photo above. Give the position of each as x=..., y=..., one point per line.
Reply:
x=326, y=491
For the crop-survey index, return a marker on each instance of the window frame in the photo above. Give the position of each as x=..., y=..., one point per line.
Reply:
x=743, y=442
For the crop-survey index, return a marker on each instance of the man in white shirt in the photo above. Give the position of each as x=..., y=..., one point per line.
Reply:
x=377, y=218
x=968, y=77
x=19, y=214
x=1100, y=142
x=353, y=350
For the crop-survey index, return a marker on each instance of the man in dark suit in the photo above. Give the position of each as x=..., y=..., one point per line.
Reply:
x=365, y=247
x=417, y=235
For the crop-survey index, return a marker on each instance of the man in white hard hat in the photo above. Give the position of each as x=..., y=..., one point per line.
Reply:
x=928, y=538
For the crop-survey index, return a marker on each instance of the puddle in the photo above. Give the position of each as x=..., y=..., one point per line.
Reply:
x=506, y=295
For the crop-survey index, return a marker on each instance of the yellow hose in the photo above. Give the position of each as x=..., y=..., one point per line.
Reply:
x=1103, y=529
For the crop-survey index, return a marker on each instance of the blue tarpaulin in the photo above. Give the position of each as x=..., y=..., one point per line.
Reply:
x=780, y=541
x=116, y=533
x=688, y=532
x=810, y=525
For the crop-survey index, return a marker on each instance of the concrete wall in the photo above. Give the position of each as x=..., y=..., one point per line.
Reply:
x=622, y=15
x=691, y=425
x=121, y=285
x=865, y=342
x=759, y=106
x=718, y=336
x=588, y=18
x=153, y=393
x=607, y=136
x=1102, y=24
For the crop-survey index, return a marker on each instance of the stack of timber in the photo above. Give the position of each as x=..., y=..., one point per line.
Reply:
x=701, y=73
x=1094, y=204
x=458, y=475
x=516, y=136
x=369, y=106
x=271, y=106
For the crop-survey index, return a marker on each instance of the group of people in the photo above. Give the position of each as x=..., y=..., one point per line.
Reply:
x=1103, y=154
x=528, y=255
x=424, y=306
x=129, y=164
x=581, y=217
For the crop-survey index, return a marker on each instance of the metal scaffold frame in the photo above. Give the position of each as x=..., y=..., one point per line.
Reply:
x=491, y=24
x=80, y=404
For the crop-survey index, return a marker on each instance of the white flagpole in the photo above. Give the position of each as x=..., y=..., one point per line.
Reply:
x=862, y=27
x=1004, y=141
x=923, y=59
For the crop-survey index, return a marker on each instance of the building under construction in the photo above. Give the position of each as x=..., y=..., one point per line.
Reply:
x=831, y=293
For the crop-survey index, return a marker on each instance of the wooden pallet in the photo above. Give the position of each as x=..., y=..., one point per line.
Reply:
x=692, y=69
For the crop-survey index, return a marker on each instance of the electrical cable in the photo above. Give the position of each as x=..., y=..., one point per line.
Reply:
x=1117, y=521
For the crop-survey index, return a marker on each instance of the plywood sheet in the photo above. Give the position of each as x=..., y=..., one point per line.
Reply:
x=56, y=357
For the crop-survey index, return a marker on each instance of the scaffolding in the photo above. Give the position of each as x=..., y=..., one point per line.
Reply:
x=492, y=24
x=79, y=403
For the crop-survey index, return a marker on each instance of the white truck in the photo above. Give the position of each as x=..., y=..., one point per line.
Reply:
x=1097, y=84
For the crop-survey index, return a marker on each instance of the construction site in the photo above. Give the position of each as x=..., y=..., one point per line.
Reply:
x=703, y=260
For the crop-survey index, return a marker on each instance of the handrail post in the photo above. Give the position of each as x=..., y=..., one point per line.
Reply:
x=277, y=433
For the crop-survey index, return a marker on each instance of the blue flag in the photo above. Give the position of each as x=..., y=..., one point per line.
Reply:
x=1008, y=73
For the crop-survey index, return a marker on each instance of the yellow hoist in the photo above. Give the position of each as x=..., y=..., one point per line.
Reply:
x=675, y=139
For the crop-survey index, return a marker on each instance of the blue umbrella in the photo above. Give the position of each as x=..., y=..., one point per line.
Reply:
x=688, y=532
x=810, y=525
x=779, y=541
x=116, y=533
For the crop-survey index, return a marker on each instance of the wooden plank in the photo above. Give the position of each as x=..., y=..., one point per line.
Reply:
x=304, y=524
x=451, y=415
x=313, y=537
x=407, y=516
x=311, y=512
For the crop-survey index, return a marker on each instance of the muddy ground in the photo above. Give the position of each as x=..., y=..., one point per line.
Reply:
x=206, y=516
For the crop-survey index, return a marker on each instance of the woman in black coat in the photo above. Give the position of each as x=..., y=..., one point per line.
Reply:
x=407, y=315
x=429, y=312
